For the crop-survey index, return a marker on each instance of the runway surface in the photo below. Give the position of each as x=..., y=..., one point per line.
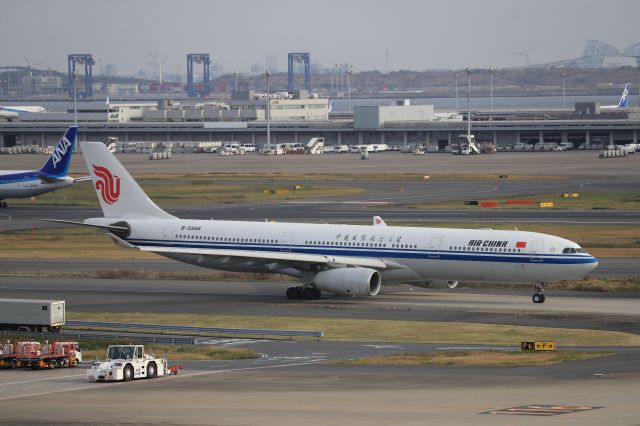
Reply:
x=398, y=302
x=299, y=388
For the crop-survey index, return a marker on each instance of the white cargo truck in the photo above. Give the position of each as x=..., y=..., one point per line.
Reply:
x=32, y=315
x=128, y=362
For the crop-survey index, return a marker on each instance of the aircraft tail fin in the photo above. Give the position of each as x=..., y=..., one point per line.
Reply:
x=624, y=99
x=118, y=193
x=377, y=221
x=58, y=163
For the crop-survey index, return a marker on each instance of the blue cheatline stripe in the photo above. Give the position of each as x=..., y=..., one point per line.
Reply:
x=18, y=177
x=378, y=253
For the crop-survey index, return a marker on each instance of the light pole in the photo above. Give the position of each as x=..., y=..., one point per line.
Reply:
x=75, y=98
x=469, y=71
x=267, y=74
x=564, y=98
x=457, y=107
x=235, y=74
x=491, y=71
x=349, y=74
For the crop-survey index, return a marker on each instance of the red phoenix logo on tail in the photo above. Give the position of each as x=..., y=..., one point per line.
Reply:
x=107, y=184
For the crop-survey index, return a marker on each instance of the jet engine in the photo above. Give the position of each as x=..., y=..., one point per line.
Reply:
x=349, y=281
x=437, y=284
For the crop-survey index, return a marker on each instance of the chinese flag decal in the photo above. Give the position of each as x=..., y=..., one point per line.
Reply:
x=521, y=244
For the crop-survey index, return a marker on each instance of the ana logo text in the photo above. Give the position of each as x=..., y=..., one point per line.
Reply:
x=107, y=184
x=60, y=151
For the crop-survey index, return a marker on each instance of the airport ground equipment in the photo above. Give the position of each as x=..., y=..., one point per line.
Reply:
x=128, y=362
x=87, y=60
x=38, y=355
x=32, y=315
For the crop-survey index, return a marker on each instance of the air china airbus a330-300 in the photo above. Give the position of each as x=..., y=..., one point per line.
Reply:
x=345, y=260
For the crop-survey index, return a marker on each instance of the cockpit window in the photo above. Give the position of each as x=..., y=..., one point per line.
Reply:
x=571, y=250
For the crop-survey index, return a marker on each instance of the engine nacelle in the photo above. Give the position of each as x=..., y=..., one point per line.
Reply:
x=438, y=284
x=349, y=281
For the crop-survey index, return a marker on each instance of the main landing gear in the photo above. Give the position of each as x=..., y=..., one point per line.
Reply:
x=306, y=293
x=539, y=296
x=3, y=204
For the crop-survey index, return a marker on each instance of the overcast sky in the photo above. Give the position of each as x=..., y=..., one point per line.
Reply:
x=418, y=34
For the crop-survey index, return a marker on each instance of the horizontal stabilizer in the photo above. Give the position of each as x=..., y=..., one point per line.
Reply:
x=112, y=228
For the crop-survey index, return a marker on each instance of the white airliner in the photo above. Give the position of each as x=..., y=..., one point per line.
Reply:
x=51, y=176
x=349, y=260
x=623, y=102
x=10, y=112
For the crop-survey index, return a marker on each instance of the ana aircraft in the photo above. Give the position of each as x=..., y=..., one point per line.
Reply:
x=11, y=112
x=51, y=176
x=623, y=102
x=341, y=259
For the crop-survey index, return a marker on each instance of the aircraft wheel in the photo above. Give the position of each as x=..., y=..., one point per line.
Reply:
x=317, y=293
x=308, y=293
x=537, y=298
x=3, y=204
x=293, y=293
x=542, y=298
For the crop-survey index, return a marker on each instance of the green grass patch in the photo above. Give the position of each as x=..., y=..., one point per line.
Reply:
x=96, y=349
x=389, y=177
x=382, y=331
x=585, y=201
x=477, y=359
x=191, y=191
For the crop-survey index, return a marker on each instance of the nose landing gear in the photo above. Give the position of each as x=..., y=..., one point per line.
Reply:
x=539, y=296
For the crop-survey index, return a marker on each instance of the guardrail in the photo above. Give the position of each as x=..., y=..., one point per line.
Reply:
x=73, y=335
x=196, y=330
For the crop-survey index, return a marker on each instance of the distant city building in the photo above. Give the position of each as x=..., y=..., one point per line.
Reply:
x=256, y=68
x=110, y=70
x=271, y=62
x=41, y=85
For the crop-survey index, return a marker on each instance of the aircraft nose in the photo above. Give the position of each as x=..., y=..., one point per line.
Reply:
x=593, y=264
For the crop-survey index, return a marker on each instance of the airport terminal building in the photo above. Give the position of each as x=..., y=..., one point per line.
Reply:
x=299, y=117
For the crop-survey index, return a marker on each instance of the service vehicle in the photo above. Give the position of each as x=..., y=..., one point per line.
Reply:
x=32, y=315
x=128, y=362
x=38, y=355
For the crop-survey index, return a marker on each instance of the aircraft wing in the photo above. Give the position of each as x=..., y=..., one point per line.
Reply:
x=283, y=256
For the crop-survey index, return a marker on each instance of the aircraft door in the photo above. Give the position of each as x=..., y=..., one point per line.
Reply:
x=25, y=182
x=536, y=251
x=287, y=237
x=167, y=235
x=434, y=247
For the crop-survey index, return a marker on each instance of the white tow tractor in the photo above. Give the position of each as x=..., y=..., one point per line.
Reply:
x=128, y=362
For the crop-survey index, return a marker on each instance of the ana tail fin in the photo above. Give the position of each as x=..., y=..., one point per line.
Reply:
x=624, y=99
x=118, y=193
x=58, y=163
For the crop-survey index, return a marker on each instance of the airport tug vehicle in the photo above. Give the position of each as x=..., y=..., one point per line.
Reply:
x=128, y=362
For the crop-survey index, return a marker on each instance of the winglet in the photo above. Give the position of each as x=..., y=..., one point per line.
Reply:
x=377, y=221
x=58, y=163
